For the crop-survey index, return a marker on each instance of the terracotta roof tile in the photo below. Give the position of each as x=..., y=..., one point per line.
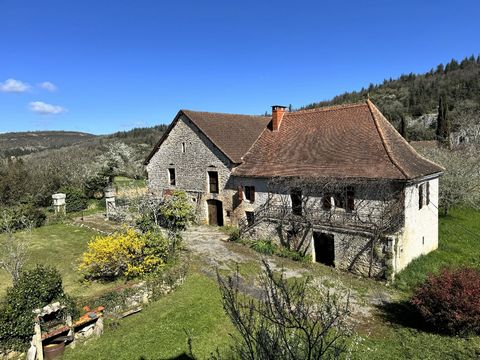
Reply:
x=353, y=141
x=233, y=134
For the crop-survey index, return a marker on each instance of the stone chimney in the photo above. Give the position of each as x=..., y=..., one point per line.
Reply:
x=277, y=115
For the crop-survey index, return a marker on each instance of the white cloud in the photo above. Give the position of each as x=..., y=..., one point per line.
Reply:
x=40, y=107
x=14, y=86
x=47, y=85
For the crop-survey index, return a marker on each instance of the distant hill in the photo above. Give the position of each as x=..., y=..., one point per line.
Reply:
x=416, y=96
x=22, y=143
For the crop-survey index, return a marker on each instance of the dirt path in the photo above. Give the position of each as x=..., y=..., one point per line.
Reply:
x=210, y=246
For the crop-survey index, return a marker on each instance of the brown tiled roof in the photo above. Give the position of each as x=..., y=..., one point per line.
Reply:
x=233, y=134
x=349, y=141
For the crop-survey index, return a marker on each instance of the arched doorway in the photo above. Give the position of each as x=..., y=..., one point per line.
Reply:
x=215, y=212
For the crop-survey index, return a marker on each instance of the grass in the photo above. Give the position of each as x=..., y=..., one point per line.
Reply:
x=60, y=246
x=122, y=182
x=459, y=239
x=160, y=331
x=397, y=342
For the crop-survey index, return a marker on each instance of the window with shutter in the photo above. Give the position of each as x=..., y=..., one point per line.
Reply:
x=428, y=193
x=420, y=196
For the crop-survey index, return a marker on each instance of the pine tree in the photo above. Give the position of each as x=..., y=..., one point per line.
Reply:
x=443, y=121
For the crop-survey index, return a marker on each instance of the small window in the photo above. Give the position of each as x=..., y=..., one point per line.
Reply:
x=428, y=193
x=339, y=199
x=327, y=202
x=350, y=195
x=183, y=147
x=250, y=193
x=250, y=217
x=213, y=182
x=296, y=197
x=171, y=176
x=420, y=196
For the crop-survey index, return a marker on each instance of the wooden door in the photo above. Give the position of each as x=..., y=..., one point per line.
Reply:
x=215, y=212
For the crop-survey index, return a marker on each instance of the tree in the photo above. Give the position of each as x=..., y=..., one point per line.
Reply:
x=443, y=122
x=460, y=183
x=403, y=127
x=14, y=250
x=176, y=215
x=287, y=322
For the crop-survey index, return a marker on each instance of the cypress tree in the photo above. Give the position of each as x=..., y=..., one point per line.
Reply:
x=403, y=127
x=443, y=121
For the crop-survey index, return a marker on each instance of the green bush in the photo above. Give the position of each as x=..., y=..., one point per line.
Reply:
x=233, y=232
x=35, y=288
x=289, y=254
x=265, y=247
x=95, y=186
x=76, y=199
x=22, y=216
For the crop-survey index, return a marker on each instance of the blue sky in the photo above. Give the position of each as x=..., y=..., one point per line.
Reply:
x=102, y=66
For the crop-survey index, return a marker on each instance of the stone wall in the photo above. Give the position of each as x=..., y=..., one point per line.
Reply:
x=191, y=168
x=353, y=250
x=420, y=234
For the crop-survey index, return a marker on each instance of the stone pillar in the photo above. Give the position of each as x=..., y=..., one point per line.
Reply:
x=110, y=201
x=37, y=340
x=59, y=203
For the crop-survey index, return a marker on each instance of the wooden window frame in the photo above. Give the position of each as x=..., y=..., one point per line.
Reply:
x=213, y=187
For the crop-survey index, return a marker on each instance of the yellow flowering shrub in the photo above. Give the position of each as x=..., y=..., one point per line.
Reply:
x=125, y=253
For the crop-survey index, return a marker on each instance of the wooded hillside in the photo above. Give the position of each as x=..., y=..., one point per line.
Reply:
x=414, y=95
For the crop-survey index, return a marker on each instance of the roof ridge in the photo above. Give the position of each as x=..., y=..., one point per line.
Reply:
x=220, y=113
x=386, y=146
x=328, y=108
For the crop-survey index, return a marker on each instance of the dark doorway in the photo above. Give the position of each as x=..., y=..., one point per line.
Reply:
x=324, y=247
x=215, y=212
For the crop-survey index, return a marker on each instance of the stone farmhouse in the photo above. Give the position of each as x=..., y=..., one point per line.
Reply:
x=338, y=183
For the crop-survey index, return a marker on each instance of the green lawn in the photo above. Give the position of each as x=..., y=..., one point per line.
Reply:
x=159, y=331
x=459, y=245
x=123, y=182
x=61, y=246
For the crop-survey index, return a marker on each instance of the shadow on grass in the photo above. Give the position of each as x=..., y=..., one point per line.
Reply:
x=183, y=356
x=404, y=314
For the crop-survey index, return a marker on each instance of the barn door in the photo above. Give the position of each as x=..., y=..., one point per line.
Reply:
x=324, y=247
x=215, y=212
